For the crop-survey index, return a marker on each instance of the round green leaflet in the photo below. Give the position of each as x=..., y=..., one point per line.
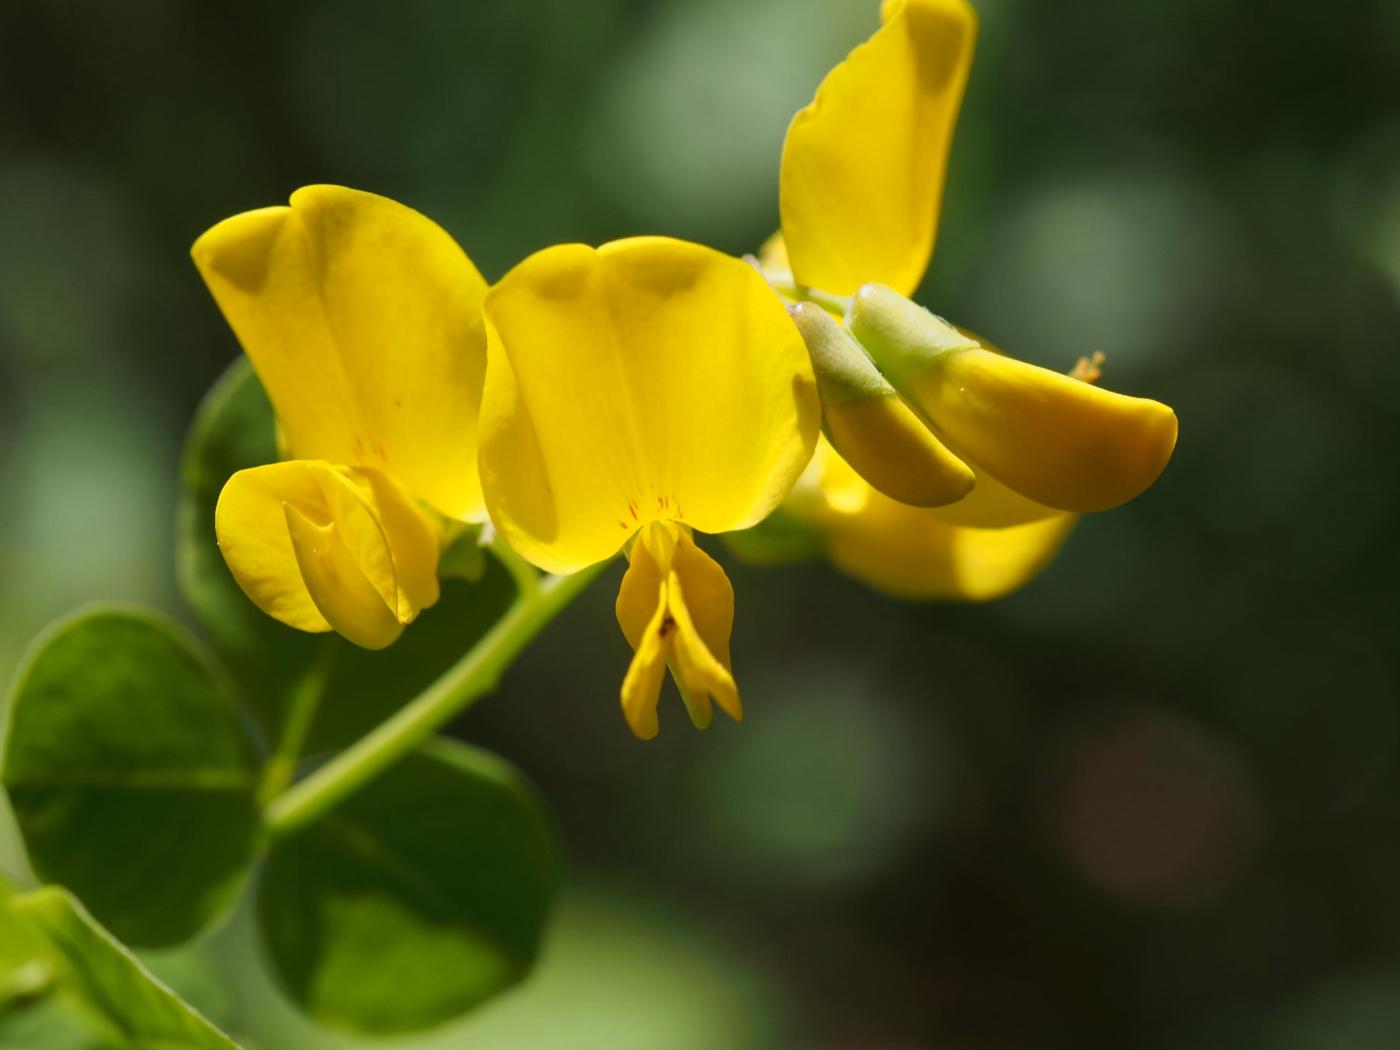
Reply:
x=415, y=899
x=130, y=773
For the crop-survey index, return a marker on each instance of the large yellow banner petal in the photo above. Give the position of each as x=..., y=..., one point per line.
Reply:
x=647, y=380
x=363, y=320
x=864, y=164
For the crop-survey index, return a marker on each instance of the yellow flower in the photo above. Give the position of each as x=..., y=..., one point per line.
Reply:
x=906, y=552
x=643, y=389
x=864, y=417
x=363, y=321
x=861, y=185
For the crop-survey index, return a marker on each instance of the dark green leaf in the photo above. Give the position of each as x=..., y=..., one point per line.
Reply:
x=130, y=774
x=235, y=429
x=417, y=899
x=135, y=1008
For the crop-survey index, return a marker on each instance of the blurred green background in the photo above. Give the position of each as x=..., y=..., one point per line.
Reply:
x=1151, y=801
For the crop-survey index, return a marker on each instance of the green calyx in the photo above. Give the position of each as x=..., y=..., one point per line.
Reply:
x=844, y=372
x=901, y=337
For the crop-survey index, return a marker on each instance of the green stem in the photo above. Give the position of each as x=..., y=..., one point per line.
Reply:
x=475, y=674
x=301, y=712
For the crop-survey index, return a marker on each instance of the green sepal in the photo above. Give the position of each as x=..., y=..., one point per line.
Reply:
x=901, y=337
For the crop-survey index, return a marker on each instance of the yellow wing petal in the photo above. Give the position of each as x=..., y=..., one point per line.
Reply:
x=251, y=526
x=641, y=688
x=363, y=320
x=699, y=674
x=650, y=379
x=863, y=165
x=320, y=548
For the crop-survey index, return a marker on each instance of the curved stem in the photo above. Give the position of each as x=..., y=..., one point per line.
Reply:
x=475, y=674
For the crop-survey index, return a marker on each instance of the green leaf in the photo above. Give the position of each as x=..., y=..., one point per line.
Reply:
x=130, y=774
x=54, y=1022
x=25, y=969
x=235, y=429
x=419, y=898
x=110, y=982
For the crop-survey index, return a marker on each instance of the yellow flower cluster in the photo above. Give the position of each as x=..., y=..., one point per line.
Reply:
x=621, y=398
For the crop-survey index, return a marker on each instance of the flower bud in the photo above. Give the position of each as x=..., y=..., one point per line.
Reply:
x=1055, y=439
x=870, y=426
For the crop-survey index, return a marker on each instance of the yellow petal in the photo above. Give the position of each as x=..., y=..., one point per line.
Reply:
x=414, y=538
x=647, y=564
x=346, y=597
x=906, y=552
x=895, y=452
x=650, y=379
x=363, y=320
x=1059, y=441
x=641, y=688
x=252, y=530
x=322, y=547
x=676, y=607
x=1055, y=440
x=863, y=165
x=698, y=671
x=772, y=254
